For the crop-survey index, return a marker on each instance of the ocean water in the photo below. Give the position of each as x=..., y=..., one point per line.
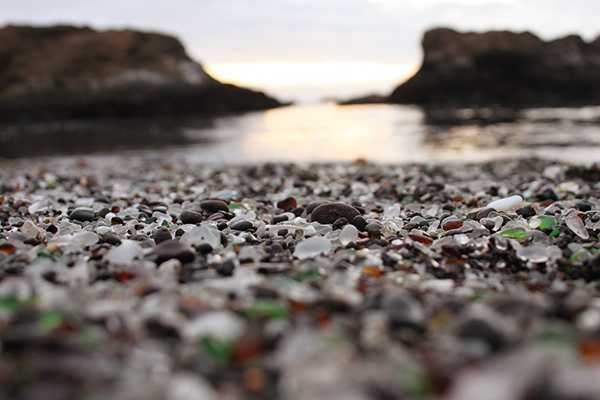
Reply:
x=325, y=132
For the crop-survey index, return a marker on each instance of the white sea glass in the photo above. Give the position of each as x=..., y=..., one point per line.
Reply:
x=349, y=234
x=507, y=203
x=312, y=247
x=202, y=234
x=125, y=253
x=575, y=224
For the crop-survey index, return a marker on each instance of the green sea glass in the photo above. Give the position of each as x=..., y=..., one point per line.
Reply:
x=266, y=308
x=218, y=350
x=547, y=221
x=515, y=233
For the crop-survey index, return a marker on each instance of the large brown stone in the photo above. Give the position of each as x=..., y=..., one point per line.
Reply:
x=328, y=213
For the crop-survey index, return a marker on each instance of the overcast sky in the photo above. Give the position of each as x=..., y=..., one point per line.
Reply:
x=217, y=32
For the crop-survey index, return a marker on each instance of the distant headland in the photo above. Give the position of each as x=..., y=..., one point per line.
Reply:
x=500, y=68
x=76, y=72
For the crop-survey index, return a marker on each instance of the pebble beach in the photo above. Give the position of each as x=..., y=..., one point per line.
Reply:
x=152, y=279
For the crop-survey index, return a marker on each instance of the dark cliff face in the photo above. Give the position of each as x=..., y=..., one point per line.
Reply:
x=70, y=72
x=505, y=68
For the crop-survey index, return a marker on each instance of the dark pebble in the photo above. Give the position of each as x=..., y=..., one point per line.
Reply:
x=478, y=329
x=204, y=248
x=150, y=220
x=583, y=207
x=32, y=242
x=112, y=239
x=359, y=222
x=159, y=329
x=226, y=268
x=340, y=223
x=162, y=234
x=449, y=207
x=436, y=185
x=276, y=248
x=298, y=211
x=221, y=225
x=52, y=229
x=179, y=232
x=242, y=225
x=282, y=232
x=190, y=217
x=404, y=311
x=280, y=218
x=373, y=228
x=547, y=194
x=82, y=214
x=527, y=211
x=213, y=206
x=173, y=249
x=102, y=213
x=330, y=212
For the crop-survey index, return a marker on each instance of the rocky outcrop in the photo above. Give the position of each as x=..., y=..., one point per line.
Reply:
x=72, y=72
x=505, y=68
x=368, y=99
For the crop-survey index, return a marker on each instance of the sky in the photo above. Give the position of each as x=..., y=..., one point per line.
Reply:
x=306, y=50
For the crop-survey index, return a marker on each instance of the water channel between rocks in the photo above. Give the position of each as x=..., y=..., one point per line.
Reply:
x=325, y=132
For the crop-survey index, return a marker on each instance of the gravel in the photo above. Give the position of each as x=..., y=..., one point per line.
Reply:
x=155, y=280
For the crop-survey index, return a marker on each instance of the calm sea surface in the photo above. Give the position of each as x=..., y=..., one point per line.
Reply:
x=325, y=132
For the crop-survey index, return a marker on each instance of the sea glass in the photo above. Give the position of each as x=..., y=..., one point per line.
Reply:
x=125, y=253
x=312, y=247
x=451, y=223
x=517, y=232
x=547, y=221
x=576, y=225
x=535, y=253
x=392, y=211
x=202, y=234
x=506, y=204
x=349, y=234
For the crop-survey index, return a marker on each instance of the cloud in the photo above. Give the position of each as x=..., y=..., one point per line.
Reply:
x=385, y=31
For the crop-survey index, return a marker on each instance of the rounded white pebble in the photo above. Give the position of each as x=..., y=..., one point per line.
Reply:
x=507, y=203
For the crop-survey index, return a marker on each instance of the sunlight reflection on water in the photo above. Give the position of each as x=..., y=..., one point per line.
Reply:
x=326, y=132
x=392, y=134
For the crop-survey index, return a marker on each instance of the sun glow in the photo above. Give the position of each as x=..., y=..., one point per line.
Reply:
x=282, y=74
